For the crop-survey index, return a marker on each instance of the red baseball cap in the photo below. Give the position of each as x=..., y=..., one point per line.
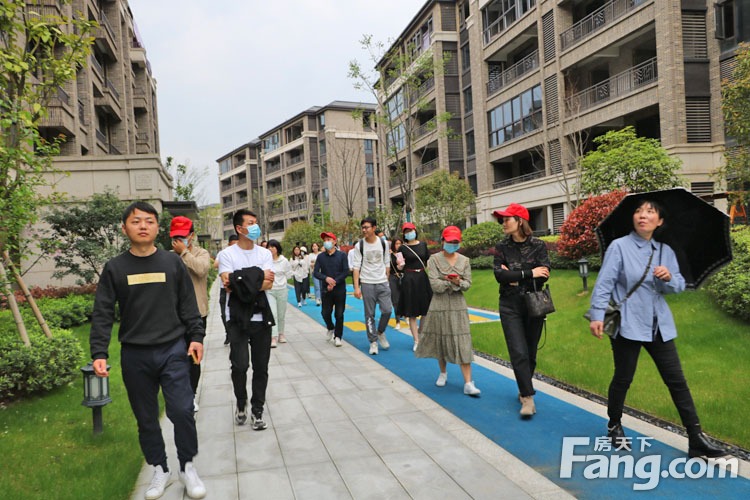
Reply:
x=180, y=226
x=325, y=235
x=408, y=225
x=513, y=210
x=452, y=233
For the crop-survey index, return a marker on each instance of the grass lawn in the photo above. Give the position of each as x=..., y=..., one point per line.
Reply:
x=714, y=349
x=49, y=451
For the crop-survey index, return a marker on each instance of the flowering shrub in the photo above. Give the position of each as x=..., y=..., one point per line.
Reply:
x=54, y=292
x=577, y=236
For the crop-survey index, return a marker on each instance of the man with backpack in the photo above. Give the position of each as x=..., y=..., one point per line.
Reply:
x=370, y=267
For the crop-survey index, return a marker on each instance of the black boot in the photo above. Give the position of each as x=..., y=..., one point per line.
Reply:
x=699, y=445
x=616, y=435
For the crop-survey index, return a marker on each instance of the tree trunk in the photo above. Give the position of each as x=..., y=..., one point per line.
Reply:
x=27, y=294
x=14, y=306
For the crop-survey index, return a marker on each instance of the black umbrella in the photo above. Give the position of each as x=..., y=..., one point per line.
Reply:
x=696, y=231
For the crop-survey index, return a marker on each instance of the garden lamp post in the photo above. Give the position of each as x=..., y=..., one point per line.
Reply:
x=95, y=394
x=583, y=272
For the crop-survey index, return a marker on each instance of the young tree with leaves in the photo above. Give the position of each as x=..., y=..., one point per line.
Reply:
x=445, y=199
x=187, y=180
x=397, y=84
x=622, y=160
x=84, y=236
x=39, y=53
x=735, y=103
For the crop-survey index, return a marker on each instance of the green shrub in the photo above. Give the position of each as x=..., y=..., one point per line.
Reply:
x=68, y=312
x=483, y=262
x=47, y=364
x=577, y=236
x=730, y=287
x=559, y=262
x=481, y=238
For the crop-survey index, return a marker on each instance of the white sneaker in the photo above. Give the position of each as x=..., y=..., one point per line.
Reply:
x=416, y=344
x=398, y=325
x=442, y=379
x=158, y=483
x=240, y=416
x=282, y=338
x=329, y=336
x=337, y=342
x=195, y=405
x=471, y=390
x=194, y=487
x=317, y=302
x=299, y=304
x=373, y=348
x=273, y=342
x=383, y=341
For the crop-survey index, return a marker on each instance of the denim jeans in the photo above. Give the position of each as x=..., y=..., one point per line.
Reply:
x=667, y=361
x=522, y=336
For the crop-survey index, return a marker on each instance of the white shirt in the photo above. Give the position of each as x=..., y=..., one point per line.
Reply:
x=372, y=268
x=300, y=267
x=282, y=272
x=235, y=258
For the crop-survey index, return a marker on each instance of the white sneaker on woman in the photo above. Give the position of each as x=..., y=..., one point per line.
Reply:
x=442, y=379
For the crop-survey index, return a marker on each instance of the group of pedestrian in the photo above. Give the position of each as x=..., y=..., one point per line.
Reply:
x=163, y=304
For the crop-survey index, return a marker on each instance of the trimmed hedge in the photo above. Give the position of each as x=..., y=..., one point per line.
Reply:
x=48, y=363
x=730, y=287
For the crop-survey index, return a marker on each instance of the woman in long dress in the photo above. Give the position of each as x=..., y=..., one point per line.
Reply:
x=416, y=293
x=445, y=330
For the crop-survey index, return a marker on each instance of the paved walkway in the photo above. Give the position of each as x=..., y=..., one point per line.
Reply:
x=343, y=425
x=339, y=426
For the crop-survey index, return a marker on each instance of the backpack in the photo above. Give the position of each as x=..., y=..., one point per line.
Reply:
x=362, y=248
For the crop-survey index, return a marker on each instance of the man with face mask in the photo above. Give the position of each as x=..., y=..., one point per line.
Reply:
x=332, y=268
x=250, y=266
x=198, y=261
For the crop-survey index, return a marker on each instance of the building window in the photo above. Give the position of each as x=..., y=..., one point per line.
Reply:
x=724, y=19
x=371, y=195
x=463, y=11
x=225, y=166
x=468, y=101
x=370, y=170
x=396, y=139
x=322, y=121
x=368, y=145
x=516, y=117
x=465, y=57
x=395, y=105
x=322, y=147
x=499, y=15
x=470, y=151
x=271, y=143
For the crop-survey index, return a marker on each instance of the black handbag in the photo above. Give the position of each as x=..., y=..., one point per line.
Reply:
x=539, y=302
x=612, y=313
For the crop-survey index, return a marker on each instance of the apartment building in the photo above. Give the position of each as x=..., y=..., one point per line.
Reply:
x=535, y=81
x=107, y=114
x=320, y=161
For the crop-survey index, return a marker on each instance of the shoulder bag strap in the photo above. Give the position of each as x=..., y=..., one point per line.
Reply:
x=417, y=256
x=640, y=281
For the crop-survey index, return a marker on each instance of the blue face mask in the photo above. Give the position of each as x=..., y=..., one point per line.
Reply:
x=410, y=236
x=451, y=247
x=327, y=245
x=253, y=232
x=183, y=240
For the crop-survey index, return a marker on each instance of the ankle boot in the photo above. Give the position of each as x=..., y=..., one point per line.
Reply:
x=700, y=445
x=527, y=406
x=616, y=435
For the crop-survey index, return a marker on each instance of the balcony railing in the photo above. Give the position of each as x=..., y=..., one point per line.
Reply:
x=141, y=137
x=100, y=135
x=63, y=96
x=510, y=75
x=293, y=160
x=426, y=168
x=616, y=86
x=81, y=112
x=97, y=66
x=113, y=150
x=517, y=180
x=298, y=207
x=427, y=127
x=297, y=183
x=273, y=189
x=112, y=89
x=108, y=26
x=595, y=21
x=276, y=210
x=273, y=167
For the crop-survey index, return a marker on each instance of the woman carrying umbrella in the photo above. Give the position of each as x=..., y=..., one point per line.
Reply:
x=646, y=320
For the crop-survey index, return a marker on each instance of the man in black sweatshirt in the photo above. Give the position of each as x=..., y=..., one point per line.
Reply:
x=158, y=310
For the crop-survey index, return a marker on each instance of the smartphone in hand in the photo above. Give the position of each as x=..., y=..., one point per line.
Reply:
x=452, y=276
